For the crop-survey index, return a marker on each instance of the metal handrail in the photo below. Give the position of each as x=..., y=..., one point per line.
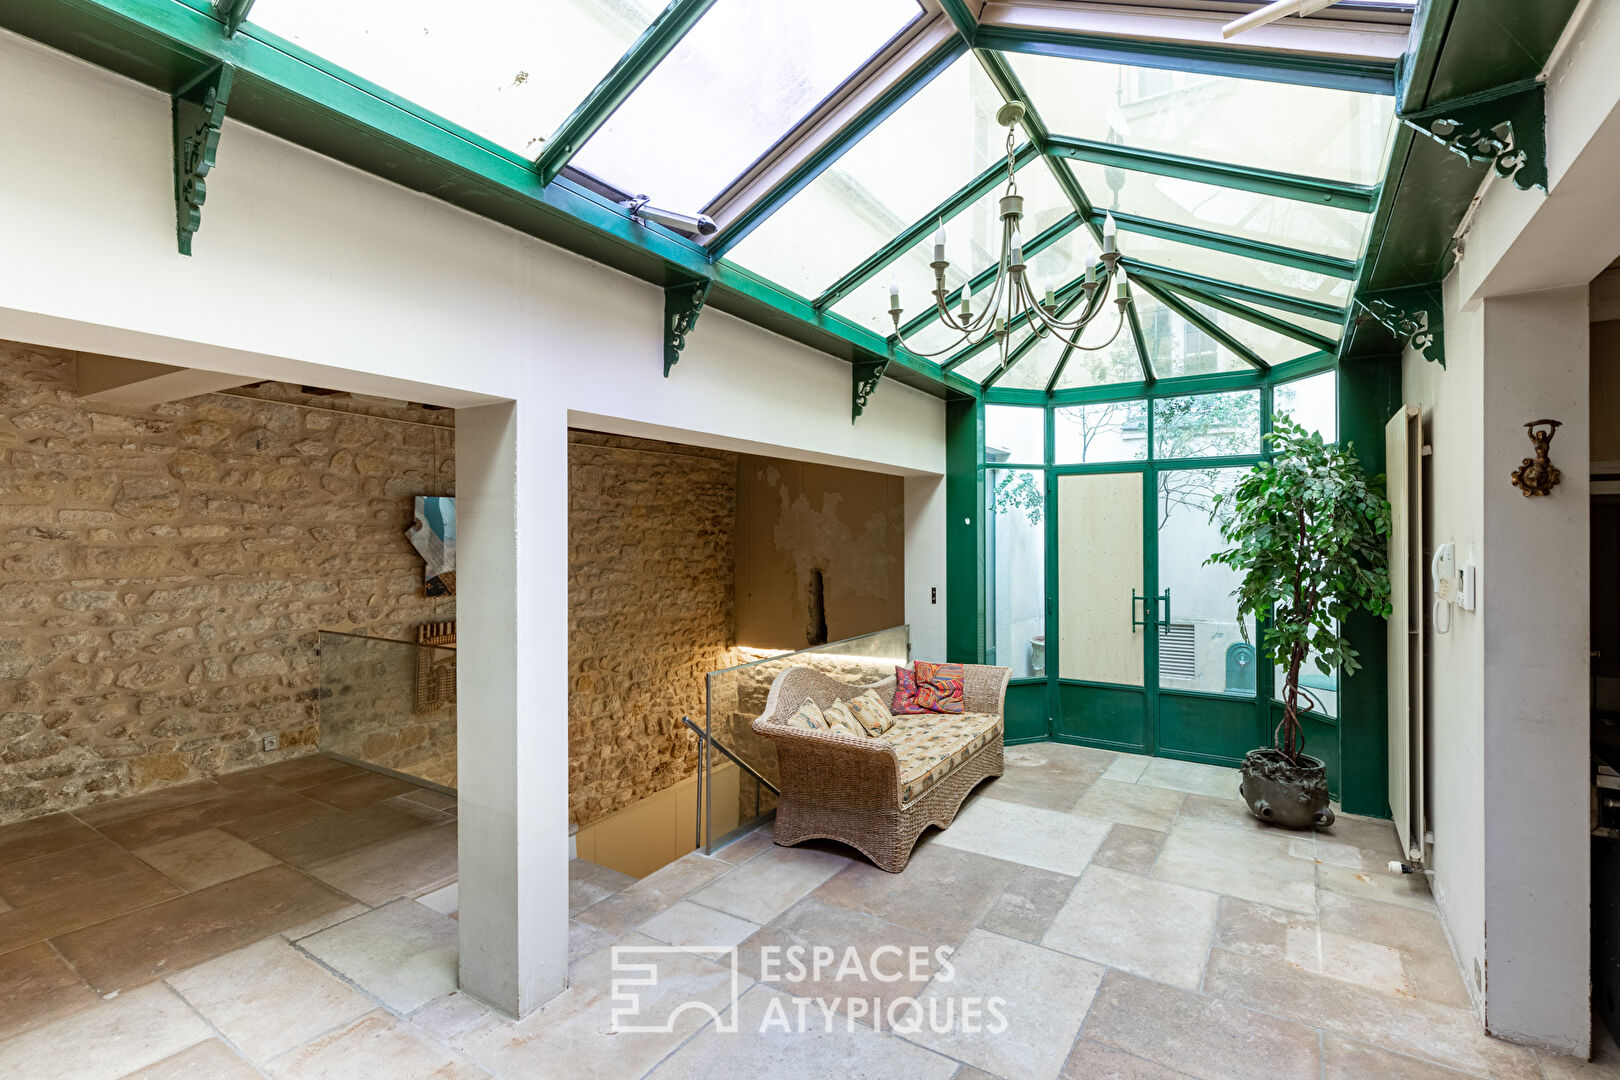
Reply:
x=703, y=766
x=735, y=760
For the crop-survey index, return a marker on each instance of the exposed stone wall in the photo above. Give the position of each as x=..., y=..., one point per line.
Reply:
x=163, y=573
x=650, y=562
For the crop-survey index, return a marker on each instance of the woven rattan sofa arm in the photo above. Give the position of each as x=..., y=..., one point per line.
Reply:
x=984, y=688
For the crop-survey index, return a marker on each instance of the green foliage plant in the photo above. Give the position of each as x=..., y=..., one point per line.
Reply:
x=1309, y=535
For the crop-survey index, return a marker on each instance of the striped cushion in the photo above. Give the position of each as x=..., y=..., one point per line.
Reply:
x=931, y=745
x=872, y=712
x=838, y=717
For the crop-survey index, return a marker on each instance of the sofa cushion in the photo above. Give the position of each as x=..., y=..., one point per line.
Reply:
x=810, y=717
x=905, y=693
x=939, y=686
x=839, y=717
x=872, y=713
x=931, y=745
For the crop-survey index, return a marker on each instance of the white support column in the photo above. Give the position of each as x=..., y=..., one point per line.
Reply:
x=1534, y=597
x=512, y=711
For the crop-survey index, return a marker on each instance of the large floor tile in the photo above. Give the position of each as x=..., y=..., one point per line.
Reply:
x=658, y=891
x=590, y=883
x=745, y=847
x=1048, y=774
x=577, y=1035
x=445, y=1018
x=159, y=940
x=38, y=987
x=1193, y=777
x=853, y=962
x=692, y=924
x=227, y=806
x=304, y=812
x=1127, y=768
x=353, y=792
x=419, y=861
x=1141, y=805
x=1029, y=903
x=1153, y=928
x=268, y=997
x=1249, y=865
x=1227, y=811
x=309, y=769
x=204, y=858
x=1032, y=835
x=1346, y=1060
x=1376, y=836
x=138, y=805
x=403, y=954
x=376, y=1045
x=84, y=907
x=329, y=837
x=1200, y=1036
x=1407, y=890
x=1436, y=1033
x=107, y=1041
x=1043, y=997
x=1094, y=1061
x=943, y=892
x=764, y=1046
x=584, y=939
x=1301, y=941
x=1130, y=848
x=208, y=1060
x=43, y=835
x=1415, y=932
x=65, y=872
x=765, y=886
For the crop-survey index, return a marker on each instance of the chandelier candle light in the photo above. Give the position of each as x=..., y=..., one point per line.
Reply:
x=1013, y=303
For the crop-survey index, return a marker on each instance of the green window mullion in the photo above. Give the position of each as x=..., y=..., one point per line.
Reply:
x=1326, y=265
x=1311, y=309
x=1259, y=318
x=1231, y=344
x=1149, y=375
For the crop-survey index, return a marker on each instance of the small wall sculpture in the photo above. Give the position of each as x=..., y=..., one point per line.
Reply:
x=1536, y=476
x=433, y=535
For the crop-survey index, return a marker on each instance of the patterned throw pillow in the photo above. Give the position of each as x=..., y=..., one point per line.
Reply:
x=839, y=717
x=808, y=717
x=939, y=687
x=874, y=716
x=905, y=693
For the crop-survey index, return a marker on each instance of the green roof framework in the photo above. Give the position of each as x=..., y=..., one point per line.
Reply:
x=1245, y=176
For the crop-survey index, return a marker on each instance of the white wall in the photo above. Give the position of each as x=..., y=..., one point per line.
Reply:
x=309, y=271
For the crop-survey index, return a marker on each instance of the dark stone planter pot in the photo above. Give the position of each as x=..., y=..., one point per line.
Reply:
x=1293, y=796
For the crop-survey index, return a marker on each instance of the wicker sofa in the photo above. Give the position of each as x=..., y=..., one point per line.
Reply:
x=879, y=794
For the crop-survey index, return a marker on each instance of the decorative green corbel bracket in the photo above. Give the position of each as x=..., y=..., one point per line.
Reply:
x=1412, y=315
x=1505, y=128
x=199, y=112
x=233, y=13
x=866, y=372
x=682, y=305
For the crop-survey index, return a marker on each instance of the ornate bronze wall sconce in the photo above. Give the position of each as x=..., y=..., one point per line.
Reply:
x=1537, y=475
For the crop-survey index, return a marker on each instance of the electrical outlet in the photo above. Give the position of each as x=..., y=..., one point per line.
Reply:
x=272, y=742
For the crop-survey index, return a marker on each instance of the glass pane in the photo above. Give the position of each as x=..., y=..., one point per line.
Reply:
x=1015, y=549
x=1175, y=346
x=1244, y=214
x=877, y=188
x=1236, y=269
x=1034, y=369
x=1201, y=645
x=1207, y=425
x=972, y=243
x=979, y=367
x=1313, y=403
x=515, y=87
x=1306, y=130
x=1105, y=431
x=1099, y=570
x=1105, y=355
x=1268, y=345
x=740, y=80
x=1015, y=433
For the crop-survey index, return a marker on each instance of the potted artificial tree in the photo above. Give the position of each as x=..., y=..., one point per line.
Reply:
x=1308, y=533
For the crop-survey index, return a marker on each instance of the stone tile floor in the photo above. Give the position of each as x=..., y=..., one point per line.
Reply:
x=1126, y=917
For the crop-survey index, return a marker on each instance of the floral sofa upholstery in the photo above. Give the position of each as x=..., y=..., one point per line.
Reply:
x=878, y=793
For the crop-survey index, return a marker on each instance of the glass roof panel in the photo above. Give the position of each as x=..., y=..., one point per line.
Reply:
x=514, y=87
x=1248, y=215
x=1103, y=357
x=876, y=189
x=740, y=80
x=1268, y=345
x=972, y=242
x=1177, y=347
x=1235, y=269
x=982, y=364
x=1034, y=368
x=1305, y=130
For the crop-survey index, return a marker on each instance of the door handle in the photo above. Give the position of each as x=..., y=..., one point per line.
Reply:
x=1143, y=600
x=1166, y=599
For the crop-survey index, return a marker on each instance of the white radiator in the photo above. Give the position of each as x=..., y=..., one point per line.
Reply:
x=1403, y=446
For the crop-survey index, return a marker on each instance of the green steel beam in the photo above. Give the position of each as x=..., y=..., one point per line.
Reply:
x=1230, y=343
x=233, y=13
x=961, y=18
x=893, y=96
x=1309, y=189
x=1326, y=265
x=645, y=54
x=1043, y=240
x=294, y=94
x=969, y=194
x=1262, y=319
x=1313, y=309
x=1370, y=76
x=1149, y=376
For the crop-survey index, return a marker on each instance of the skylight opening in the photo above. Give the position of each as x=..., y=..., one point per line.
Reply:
x=740, y=80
